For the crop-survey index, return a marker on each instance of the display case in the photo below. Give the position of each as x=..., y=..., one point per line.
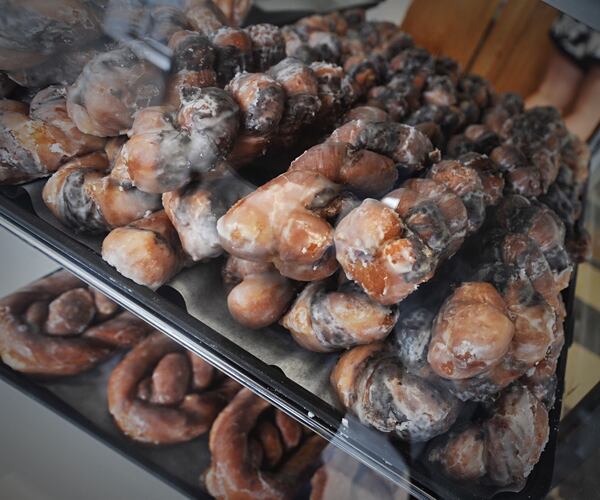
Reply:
x=455, y=346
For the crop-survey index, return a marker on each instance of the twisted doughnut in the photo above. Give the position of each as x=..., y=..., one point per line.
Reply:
x=56, y=327
x=161, y=394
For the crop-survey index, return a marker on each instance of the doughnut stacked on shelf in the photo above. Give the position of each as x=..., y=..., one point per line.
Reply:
x=158, y=393
x=58, y=326
x=499, y=334
x=411, y=164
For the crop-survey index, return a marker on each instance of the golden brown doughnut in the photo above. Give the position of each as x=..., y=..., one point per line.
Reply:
x=372, y=384
x=280, y=223
x=258, y=294
x=40, y=139
x=148, y=250
x=325, y=320
x=53, y=327
x=112, y=87
x=240, y=467
x=82, y=196
x=195, y=209
x=152, y=397
x=503, y=448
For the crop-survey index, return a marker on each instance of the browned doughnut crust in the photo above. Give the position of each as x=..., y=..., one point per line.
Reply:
x=258, y=294
x=194, y=210
x=84, y=197
x=390, y=247
x=109, y=91
x=235, y=473
x=36, y=141
x=503, y=448
x=48, y=328
x=148, y=250
x=372, y=384
x=290, y=233
x=176, y=411
x=325, y=320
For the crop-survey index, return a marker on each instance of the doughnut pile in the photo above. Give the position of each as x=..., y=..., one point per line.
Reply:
x=59, y=326
x=428, y=229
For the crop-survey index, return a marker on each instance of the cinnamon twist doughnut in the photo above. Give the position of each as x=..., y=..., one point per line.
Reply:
x=283, y=222
x=234, y=53
x=254, y=455
x=83, y=197
x=302, y=95
x=258, y=294
x=194, y=210
x=148, y=250
x=373, y=385
x=362, y=171
x=57, y=326
x=162, y=394
x=516, y=214
x=268, y=45
x=192, y=64
x=167, y=149
x=487, y=335
x=112, y=87
x=392, y=246
x=322, y=320
x=503, y=448
x=36, y=141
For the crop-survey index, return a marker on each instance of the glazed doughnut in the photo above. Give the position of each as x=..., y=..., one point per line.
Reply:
x=367, y=114
x=261, y=100
x=268, y=45
x=168, y=149
x=471, y=333
x=147, y=251
x=112, y=87
x=53, y=327
x=194, y=210
x=335, y=91
x=192, y=64
x=503, y=448
x=487, y=335
x=302, y=94
x=361, y=171
x=283, y=222
x=259, y=294
x=402, y=143
x=234, y=53
x=83, y=197
x=534, y=219
x=325, y=320
x=154, y=397
x=371, y=383
x=390, y=247
x=38, y=140
x=249, y=458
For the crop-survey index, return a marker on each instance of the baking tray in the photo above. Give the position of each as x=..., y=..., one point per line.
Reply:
x=192, y=310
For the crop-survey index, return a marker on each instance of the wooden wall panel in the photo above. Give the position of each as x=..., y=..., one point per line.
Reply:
x=450, y=27
x=516, y=51
x=507, y=42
